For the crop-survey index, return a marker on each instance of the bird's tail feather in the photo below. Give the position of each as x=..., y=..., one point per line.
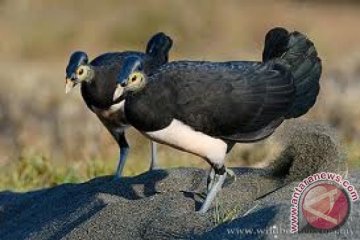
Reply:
x=298, y=53
x=159, y=46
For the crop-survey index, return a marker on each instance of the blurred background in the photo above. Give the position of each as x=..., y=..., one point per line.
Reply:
x=47, y=137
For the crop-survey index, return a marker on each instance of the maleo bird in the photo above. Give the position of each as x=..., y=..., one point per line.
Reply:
x=98, y=83
x=205, y=108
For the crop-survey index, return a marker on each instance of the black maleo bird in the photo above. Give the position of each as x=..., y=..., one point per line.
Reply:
x=98, y=83
x=205, y=108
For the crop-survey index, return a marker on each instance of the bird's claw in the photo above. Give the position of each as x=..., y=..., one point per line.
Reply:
x=231, y=174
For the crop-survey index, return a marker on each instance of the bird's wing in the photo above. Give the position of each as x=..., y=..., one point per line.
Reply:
x=228, y=99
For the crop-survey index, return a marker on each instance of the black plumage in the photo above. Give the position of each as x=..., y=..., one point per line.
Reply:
x=215, y=99
x=237, y=101
x=98, y=81
x=230, y=99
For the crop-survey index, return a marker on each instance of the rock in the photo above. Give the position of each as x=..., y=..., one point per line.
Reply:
x=103, y=209
x=308, y=148
x=161, y=204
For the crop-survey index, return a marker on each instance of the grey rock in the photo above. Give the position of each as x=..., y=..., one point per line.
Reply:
x=161, y=204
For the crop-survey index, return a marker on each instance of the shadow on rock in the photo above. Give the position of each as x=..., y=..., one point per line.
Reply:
x=67, y=206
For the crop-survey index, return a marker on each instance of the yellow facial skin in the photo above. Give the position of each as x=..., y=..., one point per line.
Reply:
x=82, y=73
x=136, y=81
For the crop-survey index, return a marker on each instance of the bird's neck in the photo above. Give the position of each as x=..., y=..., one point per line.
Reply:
x=99, y=92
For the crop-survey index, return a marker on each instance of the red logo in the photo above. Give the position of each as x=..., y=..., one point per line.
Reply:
x=325, y=206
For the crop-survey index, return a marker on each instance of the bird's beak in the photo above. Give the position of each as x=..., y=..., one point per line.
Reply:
x=118, y=92
x=69, y=85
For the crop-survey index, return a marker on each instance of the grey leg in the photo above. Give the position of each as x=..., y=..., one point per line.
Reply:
x=215, y=186
x=210, y=180
x=122, y=159
x=154, y=160
x=124, y=150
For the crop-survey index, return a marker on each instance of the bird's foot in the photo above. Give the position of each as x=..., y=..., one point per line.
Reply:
x=215, y=186
x=231, y=174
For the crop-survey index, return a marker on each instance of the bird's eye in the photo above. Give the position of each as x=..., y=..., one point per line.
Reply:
x=81, y=71
x=133, y=78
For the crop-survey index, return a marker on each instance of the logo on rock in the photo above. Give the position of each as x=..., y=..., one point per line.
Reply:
x=325, y=206
x=321, y=203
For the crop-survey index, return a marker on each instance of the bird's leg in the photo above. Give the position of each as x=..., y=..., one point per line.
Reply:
x=154, y=161
x=210, y=179
x=124, y=150
x=215, y=185
x=122, y=159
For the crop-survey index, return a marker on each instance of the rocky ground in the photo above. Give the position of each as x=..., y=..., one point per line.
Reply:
x=161, y=204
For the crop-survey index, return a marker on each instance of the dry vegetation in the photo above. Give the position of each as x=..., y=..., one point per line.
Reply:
x=47, y=137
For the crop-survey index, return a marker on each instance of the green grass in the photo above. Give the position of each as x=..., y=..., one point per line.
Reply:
x=33, y=170
x=222, y=215
x=37, y=171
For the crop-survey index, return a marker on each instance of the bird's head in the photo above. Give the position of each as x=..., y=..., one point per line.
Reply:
x=77, y=70
x=131, y=77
